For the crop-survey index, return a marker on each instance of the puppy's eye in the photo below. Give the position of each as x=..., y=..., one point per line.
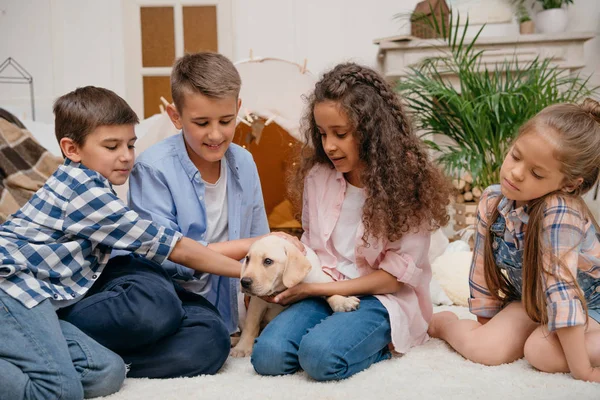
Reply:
x=267, y=262
x=247, y=259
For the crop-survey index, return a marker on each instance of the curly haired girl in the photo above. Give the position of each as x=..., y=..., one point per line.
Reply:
x=370, y=199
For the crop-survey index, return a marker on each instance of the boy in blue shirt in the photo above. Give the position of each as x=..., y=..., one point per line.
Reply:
x=55, y=251
x=198, y=182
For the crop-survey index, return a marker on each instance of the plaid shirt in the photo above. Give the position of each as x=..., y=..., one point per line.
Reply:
x=568, y=235
x=58, y=243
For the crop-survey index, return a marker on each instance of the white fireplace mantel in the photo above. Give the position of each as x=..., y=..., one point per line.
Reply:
x=565, y=50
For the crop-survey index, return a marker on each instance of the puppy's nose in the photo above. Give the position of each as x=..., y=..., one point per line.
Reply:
x=246, y=282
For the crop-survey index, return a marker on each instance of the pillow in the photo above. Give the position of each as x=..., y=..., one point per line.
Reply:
x=451, y=270
x=437, y=294
x=437, y=247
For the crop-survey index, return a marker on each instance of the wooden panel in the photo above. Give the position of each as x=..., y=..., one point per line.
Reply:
x=158, y=36
x=272, y=157
x=154, y=87
x=200, y=29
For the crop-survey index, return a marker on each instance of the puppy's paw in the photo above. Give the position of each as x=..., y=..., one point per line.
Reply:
x=241, y=350
x=343, y=304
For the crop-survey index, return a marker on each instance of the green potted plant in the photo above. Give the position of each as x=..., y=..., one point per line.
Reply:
x=473, y=123
x=526, y=25
x=553, y=16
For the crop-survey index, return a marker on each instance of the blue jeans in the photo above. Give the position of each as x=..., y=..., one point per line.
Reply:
x=158, y=328
x=326, y=345
x=42, y=357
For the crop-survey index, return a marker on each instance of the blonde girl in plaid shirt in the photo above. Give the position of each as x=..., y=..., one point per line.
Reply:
x=535, y=275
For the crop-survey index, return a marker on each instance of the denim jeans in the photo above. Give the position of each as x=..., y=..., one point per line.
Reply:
x=158, y=328
x=42, y=357
x=308, y=335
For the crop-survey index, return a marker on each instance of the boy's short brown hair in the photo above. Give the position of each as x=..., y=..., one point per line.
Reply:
x=78, y=113
x=210, y=74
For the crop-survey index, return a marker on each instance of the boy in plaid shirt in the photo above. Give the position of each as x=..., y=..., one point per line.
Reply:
x=53, y=253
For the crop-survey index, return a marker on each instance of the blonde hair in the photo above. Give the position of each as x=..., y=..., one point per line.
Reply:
x=210, y=74
x=577, y=128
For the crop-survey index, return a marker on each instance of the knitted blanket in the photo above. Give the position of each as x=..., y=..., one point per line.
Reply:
x=24, y=165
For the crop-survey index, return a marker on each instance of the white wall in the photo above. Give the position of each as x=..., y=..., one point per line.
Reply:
x=324, y=32
x=63, y=44
x=69, y=43
x=26, y=35
x=584, y=16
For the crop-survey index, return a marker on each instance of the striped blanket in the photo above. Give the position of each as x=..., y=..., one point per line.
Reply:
x=24, y=165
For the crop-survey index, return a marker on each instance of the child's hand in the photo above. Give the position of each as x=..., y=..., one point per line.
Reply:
x=294, y=294
x=292, y=239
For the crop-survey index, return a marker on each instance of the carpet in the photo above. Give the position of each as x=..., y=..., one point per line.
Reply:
x=430, y=371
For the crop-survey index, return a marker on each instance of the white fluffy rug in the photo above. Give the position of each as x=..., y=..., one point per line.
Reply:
x=431, y=371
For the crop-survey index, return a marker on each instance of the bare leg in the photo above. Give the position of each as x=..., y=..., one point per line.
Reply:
x=499, y=341
x=544, y=352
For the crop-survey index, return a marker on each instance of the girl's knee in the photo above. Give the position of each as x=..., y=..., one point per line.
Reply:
x=530, y=349
x=273, y=357
x=538, y=352
x=319, y=361
x=490, y=353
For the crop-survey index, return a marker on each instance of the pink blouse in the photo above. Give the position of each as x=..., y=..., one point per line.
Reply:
x=410, y=308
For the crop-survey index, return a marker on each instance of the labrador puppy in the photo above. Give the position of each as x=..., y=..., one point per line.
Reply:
x=272, y=265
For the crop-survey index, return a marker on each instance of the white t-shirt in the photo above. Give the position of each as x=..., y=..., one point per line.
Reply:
x=217, y=226
x=215, y=201
x=343, y=236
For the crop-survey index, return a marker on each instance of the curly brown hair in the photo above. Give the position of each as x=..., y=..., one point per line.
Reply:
x=404, y=190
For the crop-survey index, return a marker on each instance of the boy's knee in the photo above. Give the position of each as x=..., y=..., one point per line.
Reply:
x=70, y=390
x=204, y=355
x=148, y=314
x=65, y=387
x=132, y=315
x=110, y=377
x=54, y=385
x=216, y=349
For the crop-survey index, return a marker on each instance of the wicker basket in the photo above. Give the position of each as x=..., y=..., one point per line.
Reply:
x=424, y=12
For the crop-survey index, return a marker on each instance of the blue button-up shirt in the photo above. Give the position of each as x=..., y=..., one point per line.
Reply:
x=166, y=186
x=58, y=243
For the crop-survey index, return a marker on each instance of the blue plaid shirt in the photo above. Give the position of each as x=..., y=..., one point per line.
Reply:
x=59, y=242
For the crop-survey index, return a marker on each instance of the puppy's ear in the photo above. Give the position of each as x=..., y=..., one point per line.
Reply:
x=296, y=267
